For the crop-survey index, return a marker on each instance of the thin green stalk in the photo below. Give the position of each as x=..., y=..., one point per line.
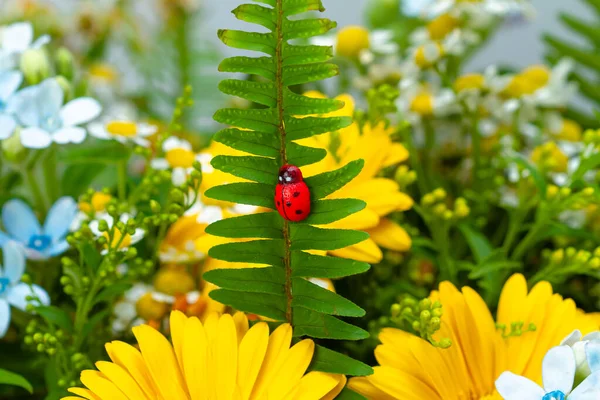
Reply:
x=50, y=172
x=440, y=235
x=428, y=159
x=529, y=240
x=476, y=144
x=415, y=162
x=36, y=192
x=122, y=180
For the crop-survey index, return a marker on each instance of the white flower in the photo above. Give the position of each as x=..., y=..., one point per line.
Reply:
x=381, y=41
x=558, y=92
x=9, y=83
x=418, y=102
x=558, y=375
x=125, y=312
x=120, y=240
x=16, y=39
x=123, y=131
x=582, y=347
x=40, y=110
x=179, y=158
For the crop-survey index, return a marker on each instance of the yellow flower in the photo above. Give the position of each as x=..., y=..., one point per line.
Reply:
x=382, y=195
x=412, y=369
x=469, y=82
x=428, y=54
x=570, y=131
x=351, y=40
x=422, y=104
x=220, y=358
x=103, y=73
x=549, y=157
x=441, y=26
x=529, y=81
x=96, y=204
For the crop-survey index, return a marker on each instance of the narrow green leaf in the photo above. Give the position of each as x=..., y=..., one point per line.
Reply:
x=12, y=379
x=523, y=162
x=253, y=194
x=253, y=280
x=478, y=242
x=56, y=316
x=259, y=92
x=587, y=87
x=585, y=57
x=302, y=155
x=259, y=169
x=296, y=104
x=322, y=326
x=306, y=28
x=256, y=14
x=349, y=394
x=307, y=237
x=301, y=128
x=324, y=184
x=266, y=305
x=101, y=152
x=314, y=297
x=270, y=252
x=310, y=265
x=255, y=119
x=261, y=66
x=298, y=55
x=330, y=361
x=111, y=292
x=293, y=7
x=253, y=142
x=328, y=211
x=262, y=42
x=591, y=32
x=262, y=225
x=586, y=165
x=93, y=321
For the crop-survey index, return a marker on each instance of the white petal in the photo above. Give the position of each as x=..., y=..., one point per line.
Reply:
x=137, y=236
x=17, y=37
x=209, y=215
x=7, y=126
x=515, y=387
x=35, y=138
x=17, y=295
x=80, y=111
x=178, y=176
x=4, y=317
x=159, y=163
x=163, y=298
x=41, y=41
x=592, y=352
x=9, y=83
x=97, y=129
x=558, y=369
x=146, y=129
x=589, y=384
x=573, y=338
x=176, y=143
x=69, y=134
x=14, y=261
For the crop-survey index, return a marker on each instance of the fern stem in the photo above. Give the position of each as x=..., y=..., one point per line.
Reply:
x=283, y=155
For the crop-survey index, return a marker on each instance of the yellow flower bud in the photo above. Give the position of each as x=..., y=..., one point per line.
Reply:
x=422, y=104
x=150, y=309
x=428, y=54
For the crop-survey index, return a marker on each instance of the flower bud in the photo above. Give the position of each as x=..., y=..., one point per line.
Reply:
x=35, y=66
x=13, y=149
x=65, y=64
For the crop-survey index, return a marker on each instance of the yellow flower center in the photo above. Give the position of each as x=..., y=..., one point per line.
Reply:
x=571, y=131
x=122, y=128
x=174, y=281
x=104, y=72
x=97, y=204
x=537, y=75
x=180, y=158
x=120, y=240
x=428, y=54
x=549, y=157
x=440, y=27
x=351, y=40
x=150, y=309
x=422, y=104
x=469, y=82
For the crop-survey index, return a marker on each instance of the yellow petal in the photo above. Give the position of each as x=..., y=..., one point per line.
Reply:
x=279, y=343
x=313, y=386
x=401, y=385
x=366, y=251
x=390, y=235
x=177, y=324
x=205, y=242
x=241, y=325
x=372, y=150
x=85, y=393
x=121, y=379
x=161, y=362
x=381, y=194
x=252, y=353
x=195, y=359
x=226, y=357
x=363, y=386
x=333, y=393
x=362, y=220
x=397, y=153
x=292, y=369
x=101, y=386
x=131, y=360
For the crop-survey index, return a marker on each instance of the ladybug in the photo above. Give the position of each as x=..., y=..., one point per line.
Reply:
x=292, y=197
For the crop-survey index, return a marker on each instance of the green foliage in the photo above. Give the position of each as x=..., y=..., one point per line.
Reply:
x=10, y=378
x=282, y=291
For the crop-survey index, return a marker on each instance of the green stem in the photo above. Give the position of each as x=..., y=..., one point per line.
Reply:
x=415, y=162
x=428, y=159
x=122, y=180
x=476, y=143
x=51, y=176
x=38, y=197
x=529, y=240
x=440, y=235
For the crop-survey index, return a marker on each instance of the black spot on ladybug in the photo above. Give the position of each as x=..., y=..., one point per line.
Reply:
x=298, y=212
x=278, y=203
x=289, y=204
x=296, y=194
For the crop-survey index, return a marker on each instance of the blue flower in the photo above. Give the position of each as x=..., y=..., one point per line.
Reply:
x=40, y=243
x=9, y=83
x=12, y=290
x=39, y=109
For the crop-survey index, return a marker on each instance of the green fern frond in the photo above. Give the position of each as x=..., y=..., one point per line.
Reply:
x=282, y=291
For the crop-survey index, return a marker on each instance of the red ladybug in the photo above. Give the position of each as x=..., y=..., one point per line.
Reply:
x=292, y=196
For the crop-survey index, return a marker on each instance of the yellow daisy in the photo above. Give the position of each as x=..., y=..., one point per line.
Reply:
x=382, y=195
x=412, y=369
x=218, y=359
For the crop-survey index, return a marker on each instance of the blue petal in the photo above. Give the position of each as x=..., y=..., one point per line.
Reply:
x=19, y=220
x=60, y=217
x=35, y=104
x=58, y=248
x=17, y=296
x=4, y=238
x=9, y=83
x=7, y=126
x=592, y=352
x=14, y=261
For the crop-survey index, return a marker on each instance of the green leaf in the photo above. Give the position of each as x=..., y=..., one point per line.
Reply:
x=270, y=252
x=109, y=293
x=78, y=178
x=587, y=164
x=314, y=297
x=306, y=28
x=487, y=268
x=591, y=32
x=56, y=316
x=253, y=142
x=302, y=128
x=259, y=92
x=91, y=255
x=328, y=211
x=266, y=305
x=101, y=152
x=310, y=265
x=257, y=120
x=326, y=360
x=322, y=185
x=254, y=194
x=302, y=74
x=478, y=242
x=259, y=169
x=262, y=42
x=256, y=14
x=261, y=66
x=321, y=326
x=253, y=280
x=92, y=322
x=293, y=7
x=262, y=225
x=307, y=237
x=12, y=379
x=585, y=57
x=302, y=155
x=298, y=55
x=296, y=104
x=349, y=394
x=523, y=162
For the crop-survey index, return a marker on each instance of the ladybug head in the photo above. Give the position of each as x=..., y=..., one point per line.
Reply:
x=290, y=174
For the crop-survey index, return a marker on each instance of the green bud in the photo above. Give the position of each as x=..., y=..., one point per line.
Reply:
x=66, y=87
x=155, y=206
x=38, y=337
x=40, y=348
x=416, y=325
x=434, y=324
x=35, y=66
x=65, y=64
x=102, y=225
x=26, y=278
x=425, y=316
x=395, y=310
x=425, y=304
x=13, y=149
x=445, y=343
x=437, y=312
